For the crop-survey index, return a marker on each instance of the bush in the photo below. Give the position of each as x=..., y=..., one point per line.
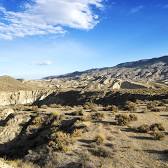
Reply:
x=156, y=109
x=101, y=151
x=60, y=141
x=158, y=135
x=123, y=119
x=151, y=105
x=130, y=106
x=85, y=161
x=78, y=112
x=143, y=128
x=166, y=108
x=133, y=117
x=112, y=108
x=99, y=139
x=98, y=116
x=76, y=133
x=90, y=106
x=156, y=127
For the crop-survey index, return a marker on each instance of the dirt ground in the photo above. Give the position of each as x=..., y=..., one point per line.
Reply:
x=121, y=147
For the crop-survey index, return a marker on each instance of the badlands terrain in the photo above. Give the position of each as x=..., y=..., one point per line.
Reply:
x=101, y=118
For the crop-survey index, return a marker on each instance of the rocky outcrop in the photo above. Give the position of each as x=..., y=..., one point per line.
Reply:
x=22, y=97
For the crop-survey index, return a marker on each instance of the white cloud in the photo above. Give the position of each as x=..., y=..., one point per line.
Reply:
x=136, y=9
x=43, y=63
x=48, y=17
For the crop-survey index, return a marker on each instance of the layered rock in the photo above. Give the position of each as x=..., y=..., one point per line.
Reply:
x=22, y=97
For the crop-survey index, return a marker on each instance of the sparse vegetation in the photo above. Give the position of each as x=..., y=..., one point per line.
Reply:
x=55, y=106
x=44, y=106
x=98, y=116
x=143, y=128
x=124, y=119
x=100, y=138
x=157, y=135
x=156, y=127
x=130, y=106
x=90, y=106
x=60, y=141
x=151, y=105
x=78, y=112
x=101, y=151
x=113, y=108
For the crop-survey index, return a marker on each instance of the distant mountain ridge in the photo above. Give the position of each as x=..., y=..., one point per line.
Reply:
x=143, y=62
x=155, y=69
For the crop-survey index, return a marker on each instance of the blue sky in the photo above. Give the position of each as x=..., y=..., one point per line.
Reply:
x=50, y=37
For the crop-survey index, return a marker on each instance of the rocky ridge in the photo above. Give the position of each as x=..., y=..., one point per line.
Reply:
x=150, y=73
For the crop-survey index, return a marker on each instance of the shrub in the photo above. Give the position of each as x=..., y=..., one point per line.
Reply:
x=157, y=135
x=90, y=106
x=76, y=133
x=78, y=112
x=156, y=109
x=60, y=141
x=133, y=117
x=86, y=117
x=101, y=151
x=156, y=127
x=100, y=138
x=130, y=106
x=123, y=119
x=85, y=160
x=98, y=116
x=143, y=128
x=112, y=108
x=166, y=109
x=151, y=105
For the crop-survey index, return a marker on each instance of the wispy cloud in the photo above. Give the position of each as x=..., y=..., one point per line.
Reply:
x=48, y=17
x=43, y=63
x=136, y=9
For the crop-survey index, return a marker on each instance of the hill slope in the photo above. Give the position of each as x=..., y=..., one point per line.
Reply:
x=8, y=83
x=154, y=70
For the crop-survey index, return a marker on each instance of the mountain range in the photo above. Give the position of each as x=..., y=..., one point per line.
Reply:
x=151, y=70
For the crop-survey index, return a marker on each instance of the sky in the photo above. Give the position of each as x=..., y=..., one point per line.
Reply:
x=39, y=38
